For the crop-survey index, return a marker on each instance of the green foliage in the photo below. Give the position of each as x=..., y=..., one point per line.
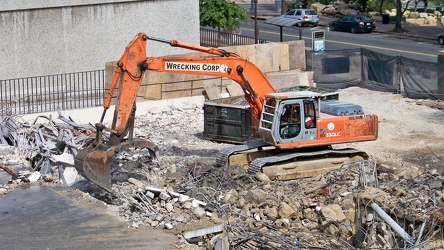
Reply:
x=392, y=19
x=373, y=5
x=221, y=13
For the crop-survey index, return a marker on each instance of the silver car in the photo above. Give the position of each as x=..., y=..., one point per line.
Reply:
x=307, y=16
x=440, y=39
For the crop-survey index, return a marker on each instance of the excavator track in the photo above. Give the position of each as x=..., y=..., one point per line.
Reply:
x=224, y=154
x=282, y=157
x=257, y=164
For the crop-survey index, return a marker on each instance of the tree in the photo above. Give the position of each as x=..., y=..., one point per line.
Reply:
x=399, y=14
x=364, y=6
x=221, y=14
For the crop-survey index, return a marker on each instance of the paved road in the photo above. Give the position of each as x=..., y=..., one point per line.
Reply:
x=429, y=32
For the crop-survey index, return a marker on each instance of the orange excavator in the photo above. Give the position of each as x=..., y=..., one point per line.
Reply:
x=300, y=124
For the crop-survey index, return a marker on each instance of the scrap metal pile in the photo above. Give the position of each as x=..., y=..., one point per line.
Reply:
x=49, y=145
x=360, y=205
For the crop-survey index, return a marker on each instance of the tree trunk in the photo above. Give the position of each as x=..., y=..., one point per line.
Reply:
x=398, y=26
x=364, y=6
x=381, y=3
x=438, y=19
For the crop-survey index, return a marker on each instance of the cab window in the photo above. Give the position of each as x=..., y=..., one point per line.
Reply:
x=309, y=115
x=290, y=123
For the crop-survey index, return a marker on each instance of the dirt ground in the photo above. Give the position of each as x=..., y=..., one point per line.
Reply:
x=410, y=134
x=410, y=142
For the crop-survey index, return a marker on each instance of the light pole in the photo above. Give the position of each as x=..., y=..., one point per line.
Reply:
x=282, y=7
x=256, y=31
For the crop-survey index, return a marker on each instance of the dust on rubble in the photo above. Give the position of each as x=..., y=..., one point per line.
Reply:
x=181, y=191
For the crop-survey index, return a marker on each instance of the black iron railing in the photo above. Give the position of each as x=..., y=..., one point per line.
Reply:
x=214, y=38
x=52, y=92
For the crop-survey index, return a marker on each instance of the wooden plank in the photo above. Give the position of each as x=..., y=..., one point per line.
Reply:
x=306, y=168
x=244, y=159
x=212, y=91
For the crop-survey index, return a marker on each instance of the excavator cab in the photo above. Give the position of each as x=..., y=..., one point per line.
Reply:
x=289, y=118
x=308, y=119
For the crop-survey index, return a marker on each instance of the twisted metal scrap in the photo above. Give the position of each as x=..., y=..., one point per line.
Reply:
x=40, y=140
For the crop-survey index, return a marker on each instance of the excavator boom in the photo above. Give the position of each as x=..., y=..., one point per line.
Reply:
x=224, y=64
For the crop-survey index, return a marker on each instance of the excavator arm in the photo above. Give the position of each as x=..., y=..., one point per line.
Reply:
x=94, y=162
x=129, y=74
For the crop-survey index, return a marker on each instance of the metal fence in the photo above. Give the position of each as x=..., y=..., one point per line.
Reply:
x=214, y=38
x=52, y=92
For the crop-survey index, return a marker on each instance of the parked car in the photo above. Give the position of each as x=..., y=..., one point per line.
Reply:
x=308, y=16
x=353, y=23
x=440, y=39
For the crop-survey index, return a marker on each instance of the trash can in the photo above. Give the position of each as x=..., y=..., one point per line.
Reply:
x=385, y=18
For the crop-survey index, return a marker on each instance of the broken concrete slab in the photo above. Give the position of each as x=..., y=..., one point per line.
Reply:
x=203, y=231
x=333, y=213
x=69, y=175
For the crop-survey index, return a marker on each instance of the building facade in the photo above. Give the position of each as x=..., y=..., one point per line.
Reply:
x=45, y=37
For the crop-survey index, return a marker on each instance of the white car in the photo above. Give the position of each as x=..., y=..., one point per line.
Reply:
x=307, y=16
x=440, y=39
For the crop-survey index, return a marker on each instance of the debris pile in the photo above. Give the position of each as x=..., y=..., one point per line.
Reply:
x=360, y=205
x=47, y=147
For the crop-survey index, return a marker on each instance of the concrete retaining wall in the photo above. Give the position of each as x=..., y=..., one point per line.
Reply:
x=54, y=37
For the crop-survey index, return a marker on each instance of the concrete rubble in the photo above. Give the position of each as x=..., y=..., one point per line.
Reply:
x=361, y=205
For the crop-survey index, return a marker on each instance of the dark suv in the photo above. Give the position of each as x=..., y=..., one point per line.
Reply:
x=353, y=23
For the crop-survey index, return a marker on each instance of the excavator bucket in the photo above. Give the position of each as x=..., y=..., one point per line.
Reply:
x=94, y=163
